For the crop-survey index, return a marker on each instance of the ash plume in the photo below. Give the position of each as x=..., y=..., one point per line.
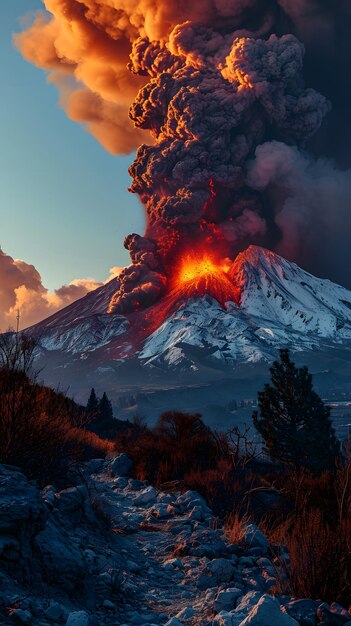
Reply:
x=210, y=82
x=208, y=110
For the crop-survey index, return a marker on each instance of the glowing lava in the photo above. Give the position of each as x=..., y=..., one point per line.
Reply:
x=200, y=274
x=196, y=275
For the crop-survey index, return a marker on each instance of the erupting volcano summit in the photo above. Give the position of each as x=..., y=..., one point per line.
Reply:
x=218, y=95
x=200, y=275
x=192, y=331
x=212, y=97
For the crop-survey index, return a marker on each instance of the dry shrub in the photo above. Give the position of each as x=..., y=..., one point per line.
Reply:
x=226, y=488
x=320, y=565
x=38, y=432
x=309, y=514
x=181, y=449
x=317, y=533
x=179, y=444
x=40, y=429
x=85, y=445
x=235, y=526
x=207, y=482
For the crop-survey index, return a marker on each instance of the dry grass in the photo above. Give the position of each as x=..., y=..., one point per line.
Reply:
x=234, y=527
x=319, y=558
x=317, y=534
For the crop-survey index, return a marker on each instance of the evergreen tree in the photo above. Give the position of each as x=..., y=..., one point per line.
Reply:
x=93, y=403
x=293, y=420
x=105, y=409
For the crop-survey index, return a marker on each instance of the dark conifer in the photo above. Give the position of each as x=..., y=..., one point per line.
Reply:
x=293, y=420
x=93, y=403
x=105, y=409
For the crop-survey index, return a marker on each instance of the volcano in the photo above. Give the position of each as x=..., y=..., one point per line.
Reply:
x=191, y=335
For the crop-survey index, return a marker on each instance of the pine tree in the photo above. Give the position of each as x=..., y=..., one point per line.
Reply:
x=293, y=420
x=93, y=403
x=105, y=409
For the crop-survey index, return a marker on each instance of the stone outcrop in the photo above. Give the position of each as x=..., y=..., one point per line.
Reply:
x=114, y=551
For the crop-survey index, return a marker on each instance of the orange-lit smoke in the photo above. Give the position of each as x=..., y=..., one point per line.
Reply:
x=200, y=85
x=85, y=48
x=84, y=45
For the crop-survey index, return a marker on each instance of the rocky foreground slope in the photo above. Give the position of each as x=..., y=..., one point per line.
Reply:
x=113, y=551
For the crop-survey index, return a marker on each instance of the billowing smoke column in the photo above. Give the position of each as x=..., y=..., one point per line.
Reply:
x=218, y=84
x=210, y=101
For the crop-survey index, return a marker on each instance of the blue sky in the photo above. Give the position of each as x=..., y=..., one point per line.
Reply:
x=64, y=204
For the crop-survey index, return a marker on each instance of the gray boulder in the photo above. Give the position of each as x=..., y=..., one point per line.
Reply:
x=22, y=516
x=254, y=538
x=21, y=616
x=78, y=618
x=60, y=556
x=333, y=615
x=187, y=613
x=268, y=612
x=75, y=503
x=120, y=465
x=55, y=612
x=173, y=622
x=304, y=611
x=190, y=499
x=216, y=572
x=162, y=511
x=21, y=508
x=226, y=618
x=146, y=496
x=226, y=599
x=204, y=543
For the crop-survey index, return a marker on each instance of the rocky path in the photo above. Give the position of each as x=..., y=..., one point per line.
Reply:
x=114, y=551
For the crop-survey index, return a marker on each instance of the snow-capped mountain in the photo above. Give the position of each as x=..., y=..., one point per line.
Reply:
x=280, y=306
x=198, y=339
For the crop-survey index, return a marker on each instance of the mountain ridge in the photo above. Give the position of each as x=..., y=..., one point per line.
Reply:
x=197, y=339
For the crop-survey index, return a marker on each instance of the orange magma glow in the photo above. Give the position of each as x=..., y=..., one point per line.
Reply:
x=195, y=268
x=197, y=274
x=200, y=274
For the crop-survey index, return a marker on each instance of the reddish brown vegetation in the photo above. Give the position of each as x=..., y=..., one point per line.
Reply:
x=180, y=449
x=307, y=513
x=317, y=531
x=41, y=431
x=179, y=444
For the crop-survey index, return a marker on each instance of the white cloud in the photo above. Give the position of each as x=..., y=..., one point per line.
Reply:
x=21, y=288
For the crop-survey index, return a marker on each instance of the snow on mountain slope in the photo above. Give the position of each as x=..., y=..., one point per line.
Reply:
x=93, y=303
x=278, y=290
x=84, y=334
x=281, y=305
x=83, y=326
x=224, y=336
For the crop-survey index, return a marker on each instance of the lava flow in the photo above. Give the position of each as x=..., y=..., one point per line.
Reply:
x=199, y=275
